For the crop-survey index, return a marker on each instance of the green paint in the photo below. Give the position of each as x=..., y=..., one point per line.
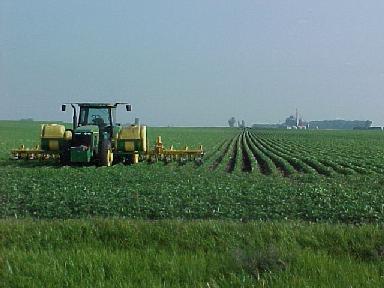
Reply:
x=78, y=155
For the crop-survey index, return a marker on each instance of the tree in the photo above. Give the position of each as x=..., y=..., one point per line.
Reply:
x=231, y=122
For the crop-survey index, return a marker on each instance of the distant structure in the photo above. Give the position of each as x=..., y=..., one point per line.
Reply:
x=137, y=121
x=378, y=128
x=242, y=124
x=295, y=122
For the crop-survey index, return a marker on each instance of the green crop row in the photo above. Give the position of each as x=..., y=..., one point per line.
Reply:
x=280, y=162
x=295, y=162
x=266, y=164
x=343, y=164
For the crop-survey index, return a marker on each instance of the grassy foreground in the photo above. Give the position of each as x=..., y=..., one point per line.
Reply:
x=172, y=253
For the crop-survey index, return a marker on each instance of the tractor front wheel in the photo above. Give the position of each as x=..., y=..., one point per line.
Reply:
x=106, y=154
x=65, y=156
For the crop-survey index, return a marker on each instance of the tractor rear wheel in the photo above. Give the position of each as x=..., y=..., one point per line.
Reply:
x=65, y=156
x=106, y=154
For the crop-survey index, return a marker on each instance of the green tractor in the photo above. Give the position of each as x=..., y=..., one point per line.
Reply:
x=96, y=138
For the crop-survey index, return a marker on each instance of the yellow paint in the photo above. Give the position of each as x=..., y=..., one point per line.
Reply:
x=135, y=159
x=129, y=146
x=110, y=158
x=52, y=131
x=159, y=147
x=143, y=138
x=134, y=132
x=160, y=152
x=53, y=145
x=130, y=133
x=68, y=135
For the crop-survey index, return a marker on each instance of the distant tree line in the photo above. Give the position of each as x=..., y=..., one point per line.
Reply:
x=340, y=124
x=232, y=123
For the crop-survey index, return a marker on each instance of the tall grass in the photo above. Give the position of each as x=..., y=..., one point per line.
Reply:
x=120, y=253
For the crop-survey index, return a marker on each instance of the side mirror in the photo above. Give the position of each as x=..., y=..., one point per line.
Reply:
x=128, y=107
x=63, y=107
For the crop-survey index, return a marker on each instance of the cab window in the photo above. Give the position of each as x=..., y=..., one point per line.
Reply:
x=94, y=116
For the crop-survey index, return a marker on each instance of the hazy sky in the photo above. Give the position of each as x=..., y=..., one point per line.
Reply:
x=194, y=63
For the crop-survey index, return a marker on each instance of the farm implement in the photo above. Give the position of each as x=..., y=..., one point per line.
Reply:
x=97, y=139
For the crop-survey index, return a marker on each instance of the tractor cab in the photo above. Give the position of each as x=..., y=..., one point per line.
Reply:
x=97, y=115
x=101, y=115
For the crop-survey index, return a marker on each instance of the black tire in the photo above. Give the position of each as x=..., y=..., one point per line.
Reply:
x=106, y=154
x=65, y=155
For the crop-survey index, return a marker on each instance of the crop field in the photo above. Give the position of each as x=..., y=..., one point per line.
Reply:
x=273, y=153
x=246, y=175
x=266, y=208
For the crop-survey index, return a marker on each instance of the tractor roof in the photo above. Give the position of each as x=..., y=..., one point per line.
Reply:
x=98, y=104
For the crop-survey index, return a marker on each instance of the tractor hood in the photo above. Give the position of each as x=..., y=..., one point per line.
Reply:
x=87, y=129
